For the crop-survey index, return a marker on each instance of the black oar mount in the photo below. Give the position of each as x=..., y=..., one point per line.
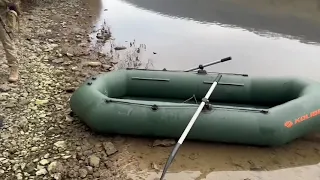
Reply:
x=201, y=69
x=207, y=105
x=209, y=64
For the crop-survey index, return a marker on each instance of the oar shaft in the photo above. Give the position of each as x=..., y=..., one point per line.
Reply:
x=209, y=64
x=189, y=126
x=197, y=113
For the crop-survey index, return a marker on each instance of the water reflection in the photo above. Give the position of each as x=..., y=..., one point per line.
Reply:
x=258, y=16
x=176, y=43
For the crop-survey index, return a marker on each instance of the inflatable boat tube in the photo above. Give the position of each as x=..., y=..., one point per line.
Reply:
x=262, y=111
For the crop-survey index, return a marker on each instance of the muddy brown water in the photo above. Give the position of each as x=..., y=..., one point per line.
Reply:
x=269, y=38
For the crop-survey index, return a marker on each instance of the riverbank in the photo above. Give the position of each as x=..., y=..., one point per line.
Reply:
x=40, y=139
x=307, y=9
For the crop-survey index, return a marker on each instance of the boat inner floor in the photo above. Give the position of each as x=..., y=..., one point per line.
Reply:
x=193, y=100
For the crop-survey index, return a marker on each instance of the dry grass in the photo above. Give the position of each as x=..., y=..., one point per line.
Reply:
x=130, y=57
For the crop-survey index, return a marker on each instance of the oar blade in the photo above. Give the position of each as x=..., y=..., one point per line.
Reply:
x=170, y=159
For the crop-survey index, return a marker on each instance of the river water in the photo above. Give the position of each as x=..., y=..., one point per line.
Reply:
x=182, y=42
x=267, y=38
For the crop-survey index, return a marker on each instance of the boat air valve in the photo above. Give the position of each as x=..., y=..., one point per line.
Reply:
x=207, y=105
x=201, y=70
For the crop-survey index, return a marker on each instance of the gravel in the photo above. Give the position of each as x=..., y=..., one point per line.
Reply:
x=39, y=138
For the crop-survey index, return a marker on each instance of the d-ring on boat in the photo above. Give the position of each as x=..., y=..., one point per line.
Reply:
x=263, y=111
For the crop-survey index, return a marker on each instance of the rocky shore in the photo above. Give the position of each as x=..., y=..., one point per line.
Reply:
x=40, y=139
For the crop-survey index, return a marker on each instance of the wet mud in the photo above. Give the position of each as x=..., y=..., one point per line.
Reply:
x=199, y=160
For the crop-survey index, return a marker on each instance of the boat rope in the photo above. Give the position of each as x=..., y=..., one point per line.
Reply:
x=231, y=108
x=192, y=97
x=149, y=105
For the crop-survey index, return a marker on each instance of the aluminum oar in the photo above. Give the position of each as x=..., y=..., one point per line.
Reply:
x=188, y=128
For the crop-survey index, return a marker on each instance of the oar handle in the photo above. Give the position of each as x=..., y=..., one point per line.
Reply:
x=217, y=62
x=226, y=59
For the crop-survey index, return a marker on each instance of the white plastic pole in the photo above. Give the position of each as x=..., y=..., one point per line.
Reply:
x=197, y=113
x=188, y=128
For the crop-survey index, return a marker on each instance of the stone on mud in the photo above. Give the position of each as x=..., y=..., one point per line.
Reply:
x=109, y=148
x=60, y=144
x=164, y=142
x=118, y=48
x=93, y=63
x=41, y=172
x=55, y=167
x=94, y=161
x=83, y=173
x=4, y=88
x=44, y=162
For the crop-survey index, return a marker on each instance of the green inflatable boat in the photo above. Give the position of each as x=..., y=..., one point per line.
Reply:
x=261, y=111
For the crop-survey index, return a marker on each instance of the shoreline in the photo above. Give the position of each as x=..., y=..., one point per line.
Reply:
x=41, y=138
